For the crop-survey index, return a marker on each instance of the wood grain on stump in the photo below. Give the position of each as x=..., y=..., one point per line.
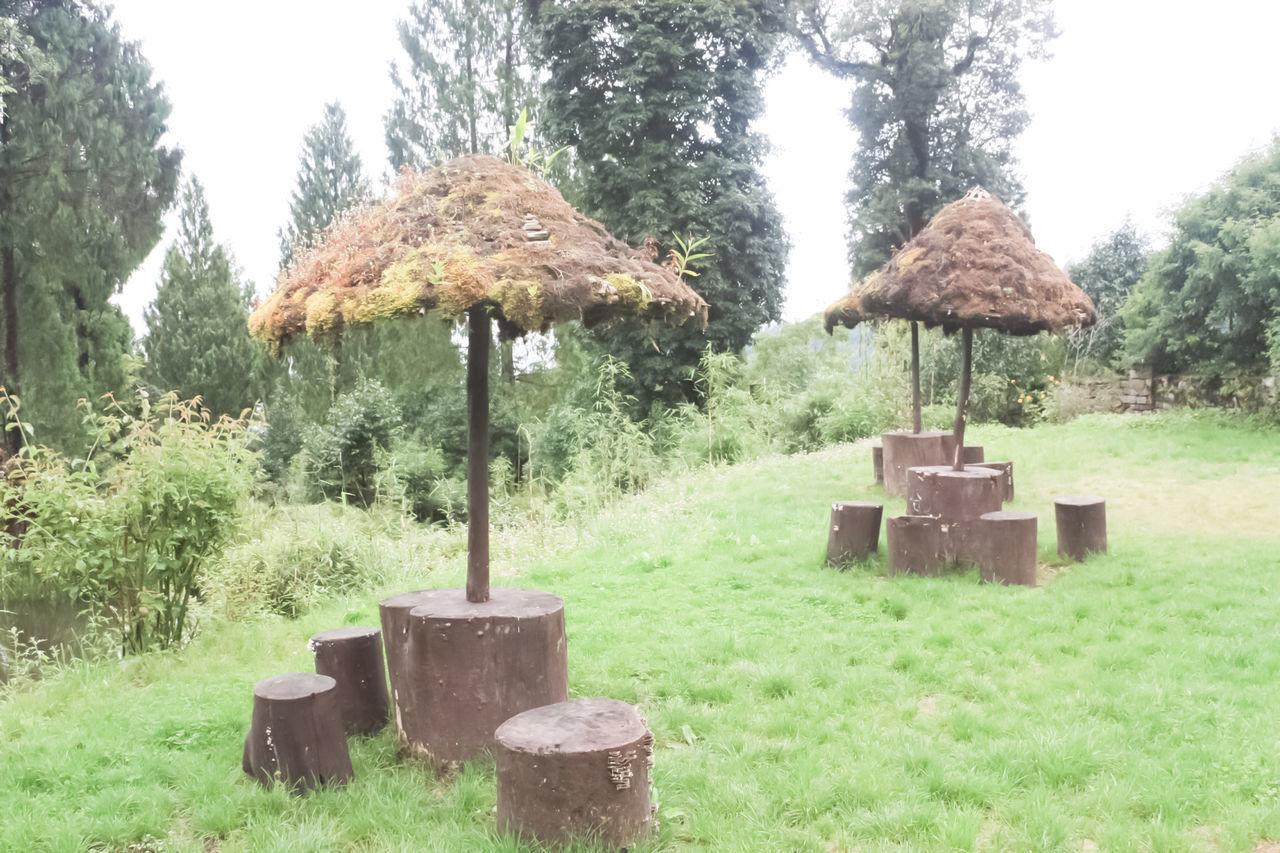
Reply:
x=951, y=495
x=575, y=770
x=296, y=734
x=393, y=612
x=1006, y=477
x=904, y=450
x=915, y=545
x=1082, y=525
x=476, y=664
x=1009, y=548
x=855, y=531
x=353, y=658
x=877, y=463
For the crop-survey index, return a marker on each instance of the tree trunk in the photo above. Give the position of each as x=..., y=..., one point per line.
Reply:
x=508, y=366
x=963, y=403
x=917, y=425
x=478, y=454
x=11, y=441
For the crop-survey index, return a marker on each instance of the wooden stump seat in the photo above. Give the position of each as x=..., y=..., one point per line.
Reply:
x=353, y=658
x=296, y=735
x=1008, y=548
x=915, y=544
x=1082, y=525
x=575, y=770
x=855, y=531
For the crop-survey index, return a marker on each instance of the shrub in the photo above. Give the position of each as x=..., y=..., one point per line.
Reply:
x=342, y=457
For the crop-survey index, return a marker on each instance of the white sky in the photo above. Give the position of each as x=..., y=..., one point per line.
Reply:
x=1143, y=103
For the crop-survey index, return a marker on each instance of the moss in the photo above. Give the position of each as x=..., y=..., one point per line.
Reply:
x=462, y=281
x=323, y=320
x=521, y=303
x=631, y=291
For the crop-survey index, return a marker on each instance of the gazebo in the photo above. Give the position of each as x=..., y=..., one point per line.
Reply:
x=481, y=242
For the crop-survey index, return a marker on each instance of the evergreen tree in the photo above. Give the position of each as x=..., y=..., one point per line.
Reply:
x=197, y=340
x=467, y=80
x=329, y=180
x=84, y=183
x=657, y=100
x=936, y=104
x=1114, y=265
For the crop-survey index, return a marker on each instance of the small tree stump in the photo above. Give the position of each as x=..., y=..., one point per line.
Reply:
x=353, y=658
x=877, y=463
x=575, y=770
x=1008, y=550
x=296, y=734
x=951, y=495
x=904, y=450
x=1082, y=525
x=474, y=665
x=394, y=612
x=855, y=531
x=974, y=454
x=915, y=545
x=1006, y=477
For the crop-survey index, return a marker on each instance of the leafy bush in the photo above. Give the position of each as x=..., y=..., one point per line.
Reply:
x=342, y=458
x=123, y=540
x=423, y=483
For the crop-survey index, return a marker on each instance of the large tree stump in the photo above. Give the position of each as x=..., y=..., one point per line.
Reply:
x=1008, y=548
x=296, y=734
x=393, y=612
x=1006, y=476
x=575, y=770
x=916, y=545
x=475, y=664
x=855, y=531
x=951, y=495
x=1082, y=525
x=877, y=463
x=353, y=658
x=904, y=450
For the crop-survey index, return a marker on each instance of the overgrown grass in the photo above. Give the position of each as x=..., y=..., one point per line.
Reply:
x=1128, y=704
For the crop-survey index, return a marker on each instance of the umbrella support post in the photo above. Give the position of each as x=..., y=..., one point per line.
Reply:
x=478, y=454
x=962, y=404
x=917, y=423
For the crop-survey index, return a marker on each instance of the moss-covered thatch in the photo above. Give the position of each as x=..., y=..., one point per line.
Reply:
x=473, y=231
x=975, y=264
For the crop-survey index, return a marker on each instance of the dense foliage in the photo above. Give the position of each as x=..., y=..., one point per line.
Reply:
x=937, y=104
x=197, y=343
x=84, y=181
x=1208, y=300
x=657, y=100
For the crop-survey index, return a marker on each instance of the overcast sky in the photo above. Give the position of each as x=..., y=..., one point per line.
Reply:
x=1143, y=103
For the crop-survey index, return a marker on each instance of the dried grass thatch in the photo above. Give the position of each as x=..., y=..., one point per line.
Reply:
x=975, y=264
x=473, y=231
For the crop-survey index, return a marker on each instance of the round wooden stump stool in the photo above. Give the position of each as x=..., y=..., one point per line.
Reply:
x=296, y=734
x=1082, y=525
x=855, y=531
x=915, y=545
x=903, y=450
x=353, y=658
x=393, y=612
x=575, y=770
x=474, y=666
x=877, y=463
x=942, y=492
x=1008, y=553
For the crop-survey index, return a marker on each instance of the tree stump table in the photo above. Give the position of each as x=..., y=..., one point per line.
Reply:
x=296, y=735
x=353, y=658
x=1082, y=525
x=1006, y=476
x=394, y=612
x=471, y=666
x=942, y=492
x=1008, y=549
x=575, y=770
x=905, y=450
x=855, y=531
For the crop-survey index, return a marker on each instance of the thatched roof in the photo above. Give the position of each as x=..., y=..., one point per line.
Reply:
x=474, y=230
x=975, y=264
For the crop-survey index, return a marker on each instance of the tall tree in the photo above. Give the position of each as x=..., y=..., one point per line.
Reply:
x=197, y=341
x=330, y=179
x=467, y=79
x=84, y=183
x=936, y=103
x=1206, y=301
x=1114, y=265
x=657, y=100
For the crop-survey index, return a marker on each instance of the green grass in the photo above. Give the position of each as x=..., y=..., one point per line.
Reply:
x=1130, y=703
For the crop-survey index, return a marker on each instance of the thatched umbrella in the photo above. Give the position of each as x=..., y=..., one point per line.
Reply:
x=974, y=265
x=475, y=238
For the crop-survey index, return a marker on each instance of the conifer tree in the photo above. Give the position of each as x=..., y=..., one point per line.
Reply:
x=197, y=341
x=84, y=183
x=330, y=179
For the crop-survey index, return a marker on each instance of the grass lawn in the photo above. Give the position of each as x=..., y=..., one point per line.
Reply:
x=1131, y=702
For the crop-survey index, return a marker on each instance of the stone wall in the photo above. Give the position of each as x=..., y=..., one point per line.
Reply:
x=1143, y=390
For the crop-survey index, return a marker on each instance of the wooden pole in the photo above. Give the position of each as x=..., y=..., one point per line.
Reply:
x=916, y=423
x=478, y=454
x=962, y=404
